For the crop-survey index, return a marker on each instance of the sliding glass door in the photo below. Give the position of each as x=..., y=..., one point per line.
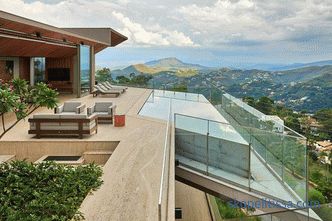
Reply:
x=85, y=69
x=38, y=70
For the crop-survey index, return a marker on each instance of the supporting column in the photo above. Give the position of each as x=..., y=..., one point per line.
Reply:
x=78, y=71
x=32, y=72
x=92, y=68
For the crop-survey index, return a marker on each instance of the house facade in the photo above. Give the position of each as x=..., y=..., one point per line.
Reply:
x=61, y=57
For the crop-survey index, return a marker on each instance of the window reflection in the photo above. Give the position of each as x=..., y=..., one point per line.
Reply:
x=85, y=68
x=39, y=69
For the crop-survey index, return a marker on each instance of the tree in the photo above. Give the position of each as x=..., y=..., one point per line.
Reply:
x=315, y=195
x=265, y=105
x=103, y=75
x=141, y=80
x=16, y=97
x=43, y=96
x=21, y=88
x=250, y=101
x=10, y=102
x=182, y=87
x=324, y=117
x=122, y=79
x=293, y=122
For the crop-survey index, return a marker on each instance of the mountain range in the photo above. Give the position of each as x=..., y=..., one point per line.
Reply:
x=306, y=86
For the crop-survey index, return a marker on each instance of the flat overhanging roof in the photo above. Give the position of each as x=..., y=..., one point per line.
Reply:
x=29, y=34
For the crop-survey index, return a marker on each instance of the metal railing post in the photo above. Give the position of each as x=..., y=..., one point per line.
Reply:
x=207, y=148
x=249, y=166
x=283, y=160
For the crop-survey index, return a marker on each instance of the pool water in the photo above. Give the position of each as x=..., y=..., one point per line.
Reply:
x=161, y=103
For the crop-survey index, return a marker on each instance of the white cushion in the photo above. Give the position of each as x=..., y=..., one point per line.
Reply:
x=102, y=106
x=70, y=106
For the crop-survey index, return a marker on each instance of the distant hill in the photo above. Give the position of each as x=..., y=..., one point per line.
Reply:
x=284, y=67
x=302, y=74
x=311, y=95
x=172, y=66
x=306, y=88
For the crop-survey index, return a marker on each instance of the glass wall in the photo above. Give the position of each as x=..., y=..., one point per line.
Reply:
x=39, y=69
x=85, y=69
x=283, y=151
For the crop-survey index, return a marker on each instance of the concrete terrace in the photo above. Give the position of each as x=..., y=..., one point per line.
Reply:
x=131, y=175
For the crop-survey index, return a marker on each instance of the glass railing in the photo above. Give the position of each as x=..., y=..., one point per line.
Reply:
x=164, y=178
x=251, y=150
x=281, y=149
x=262, y=161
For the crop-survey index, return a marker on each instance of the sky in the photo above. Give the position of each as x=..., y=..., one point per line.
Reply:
x=214, y=33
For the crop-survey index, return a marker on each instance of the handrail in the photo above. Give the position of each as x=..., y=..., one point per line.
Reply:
x=163, y=172
x=236, y=100
x=229, y=124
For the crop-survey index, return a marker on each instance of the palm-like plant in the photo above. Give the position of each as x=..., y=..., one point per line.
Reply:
x=16, y=96
x=10, y=102
x=43, y=96
x=21, y=88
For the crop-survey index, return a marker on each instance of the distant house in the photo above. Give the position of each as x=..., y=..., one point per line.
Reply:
x=323, y=146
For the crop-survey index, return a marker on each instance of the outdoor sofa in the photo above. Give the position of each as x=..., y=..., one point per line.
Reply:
x=69, y=119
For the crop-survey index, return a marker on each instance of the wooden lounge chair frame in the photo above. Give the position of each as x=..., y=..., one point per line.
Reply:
x=97, y=90
x=80, y=132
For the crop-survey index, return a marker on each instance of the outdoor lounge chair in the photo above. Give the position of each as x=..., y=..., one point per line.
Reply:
x=103, y=110
x=63, y=124
x=108, y=85
x=70, y=107
x=104, y=91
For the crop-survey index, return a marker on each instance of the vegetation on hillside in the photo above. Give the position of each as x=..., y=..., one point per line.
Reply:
x=45, y=191
x=228, y=212
x=133, y=80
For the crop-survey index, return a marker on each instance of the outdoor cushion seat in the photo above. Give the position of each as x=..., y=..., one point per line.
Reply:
x=103, y=110
x=74, y=107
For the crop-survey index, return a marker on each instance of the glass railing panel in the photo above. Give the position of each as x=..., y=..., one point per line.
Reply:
x=229, y=154
x=192, y=124
x=191, y=142
x=295, y=165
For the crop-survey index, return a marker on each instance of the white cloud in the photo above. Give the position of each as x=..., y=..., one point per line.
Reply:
x=259, y=21
x=158, y=37
x=100, y=13
x=232, y=26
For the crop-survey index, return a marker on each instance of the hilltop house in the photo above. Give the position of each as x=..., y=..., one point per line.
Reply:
x=63, y=57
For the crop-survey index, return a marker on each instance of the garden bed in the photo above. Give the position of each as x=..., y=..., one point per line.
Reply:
x=45, y=191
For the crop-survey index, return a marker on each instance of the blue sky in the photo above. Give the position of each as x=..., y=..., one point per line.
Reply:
x=234, y=33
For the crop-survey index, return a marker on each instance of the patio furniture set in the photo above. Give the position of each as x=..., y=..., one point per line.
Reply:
x=72, y=119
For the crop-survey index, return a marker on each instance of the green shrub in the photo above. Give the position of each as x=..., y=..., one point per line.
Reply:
x=45, y=191
x=315, y=195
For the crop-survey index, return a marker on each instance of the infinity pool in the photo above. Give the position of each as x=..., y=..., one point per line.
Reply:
x=196, y=110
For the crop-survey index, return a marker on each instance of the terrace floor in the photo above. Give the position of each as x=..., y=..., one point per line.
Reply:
x=131, y=175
